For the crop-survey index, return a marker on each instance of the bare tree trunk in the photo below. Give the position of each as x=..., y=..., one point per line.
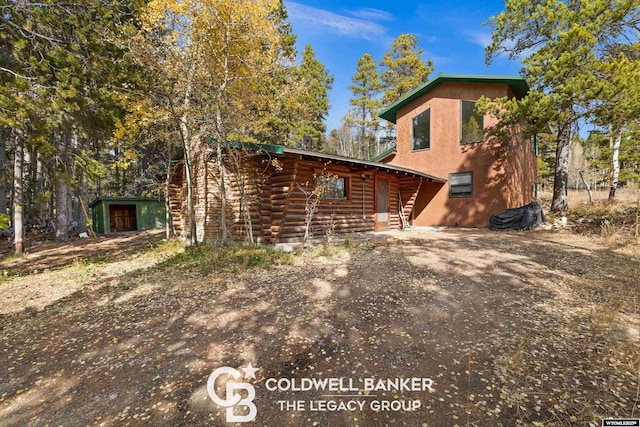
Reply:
x=3, y=171
x=62, y=213
x=615, y=163
x=18, y=211
x=62, y=192
x=116, y=174
x=586, y=184
x=123, y=187
x=40, y=182
x=81, y=193
x=142, y=179
x=223, y=189
x=190, y=232
x=167, y=205
x=245, y=203
x=28, y=183
x=561, y=172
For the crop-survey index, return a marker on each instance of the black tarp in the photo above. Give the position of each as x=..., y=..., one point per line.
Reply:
x=525, y=217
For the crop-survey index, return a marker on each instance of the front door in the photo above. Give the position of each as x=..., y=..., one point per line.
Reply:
x=382, y=204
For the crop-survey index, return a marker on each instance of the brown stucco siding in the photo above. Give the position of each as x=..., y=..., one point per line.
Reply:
x=503, y=170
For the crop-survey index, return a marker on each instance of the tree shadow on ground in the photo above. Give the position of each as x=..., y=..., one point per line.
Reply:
x=465, y=308
x=52, y=255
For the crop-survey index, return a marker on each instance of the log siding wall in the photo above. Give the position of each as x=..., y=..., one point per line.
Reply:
x=276, y=199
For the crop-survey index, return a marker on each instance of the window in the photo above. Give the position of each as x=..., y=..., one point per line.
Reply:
x=422, y=131
x=461, y=184
x=472, y=123
x=332, y=187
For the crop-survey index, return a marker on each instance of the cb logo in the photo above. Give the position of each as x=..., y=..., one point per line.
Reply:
x=231, y=398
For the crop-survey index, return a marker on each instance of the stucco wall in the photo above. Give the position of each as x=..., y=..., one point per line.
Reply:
x=503, y=169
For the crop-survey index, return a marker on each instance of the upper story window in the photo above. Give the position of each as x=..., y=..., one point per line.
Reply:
x=421, y=131
x=332, y=187
x=472, y=124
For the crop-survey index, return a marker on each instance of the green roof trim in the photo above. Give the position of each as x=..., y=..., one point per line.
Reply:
x=517, y=83
x=123, y=199
x=280, y=149
x=384, y=154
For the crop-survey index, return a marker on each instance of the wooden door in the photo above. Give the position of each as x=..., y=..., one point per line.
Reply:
x=382, y=204
x=122, y=218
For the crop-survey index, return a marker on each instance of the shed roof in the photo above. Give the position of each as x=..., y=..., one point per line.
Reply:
x=123, y=199
x=279, y=149
x=517, y=83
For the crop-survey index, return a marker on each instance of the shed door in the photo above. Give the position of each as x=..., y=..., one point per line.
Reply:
x=122, y=218
x=382, y=204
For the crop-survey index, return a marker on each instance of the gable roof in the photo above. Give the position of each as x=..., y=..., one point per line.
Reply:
x=518, y=85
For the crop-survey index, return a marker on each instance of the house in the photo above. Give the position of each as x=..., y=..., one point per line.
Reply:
x=269, y=190
x=438, y=132
x=447, y=169
x=115, y=214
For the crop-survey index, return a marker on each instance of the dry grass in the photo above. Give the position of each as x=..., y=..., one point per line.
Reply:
x=581, y=197
x=618, y=222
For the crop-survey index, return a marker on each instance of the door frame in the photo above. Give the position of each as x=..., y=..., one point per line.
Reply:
x=381, y=225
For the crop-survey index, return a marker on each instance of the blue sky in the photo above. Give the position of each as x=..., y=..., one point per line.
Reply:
x=450, y=32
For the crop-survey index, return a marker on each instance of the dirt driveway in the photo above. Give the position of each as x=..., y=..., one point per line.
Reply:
x=530, y=328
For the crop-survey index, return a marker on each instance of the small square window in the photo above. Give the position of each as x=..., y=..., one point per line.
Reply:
x=422, y=131
x=332, y=187
x=461, y=184
x=472, y=123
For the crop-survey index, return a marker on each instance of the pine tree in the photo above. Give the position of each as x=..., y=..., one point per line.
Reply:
x=366, y=87
x=60, y=83
x=316, y=83
x=404, y=69
x=278, y=111
x=564, y=41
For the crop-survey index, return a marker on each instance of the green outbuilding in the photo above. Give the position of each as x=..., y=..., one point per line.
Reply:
x=116, y=214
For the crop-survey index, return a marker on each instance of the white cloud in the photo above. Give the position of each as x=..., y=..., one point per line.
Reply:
x=335, y=23
x=368, y=13
x=480, y=38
